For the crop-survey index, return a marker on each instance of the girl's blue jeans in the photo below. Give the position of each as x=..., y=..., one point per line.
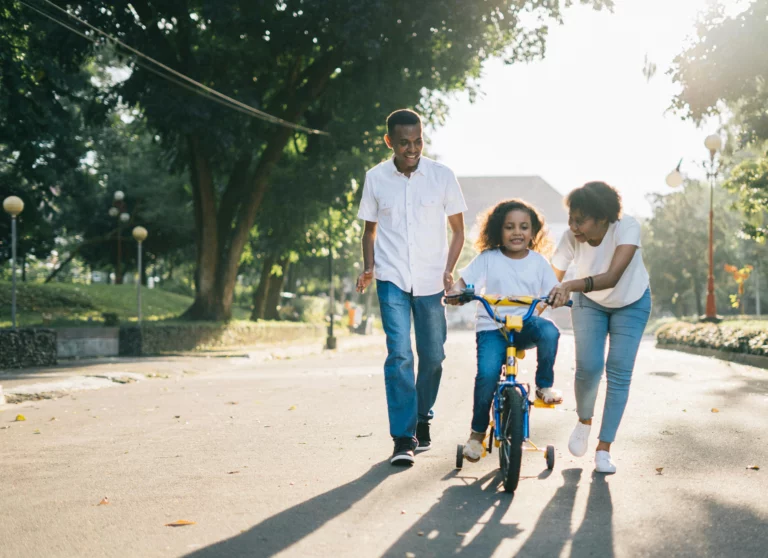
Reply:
x=492, y=354
x=593, y=324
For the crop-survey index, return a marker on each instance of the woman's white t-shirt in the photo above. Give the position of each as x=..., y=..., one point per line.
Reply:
x=491, y=272
x=594, y=260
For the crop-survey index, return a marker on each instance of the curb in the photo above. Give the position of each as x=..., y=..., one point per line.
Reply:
x=757, y=361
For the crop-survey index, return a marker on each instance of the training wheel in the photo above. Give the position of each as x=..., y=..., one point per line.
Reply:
x=550, y=457
x=459, y=456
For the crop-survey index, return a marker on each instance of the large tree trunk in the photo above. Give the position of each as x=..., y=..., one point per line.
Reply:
x=218, y=257
x=261, y=292
x=276, y=284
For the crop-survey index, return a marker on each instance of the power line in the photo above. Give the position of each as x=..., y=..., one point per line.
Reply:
x=206, y=92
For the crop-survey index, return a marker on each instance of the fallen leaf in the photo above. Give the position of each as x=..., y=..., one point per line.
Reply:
x=104, y=502
x=365, y=435
x=180, y=523
x=20, y=418
x=177, y=416
x=410, y=555
x=402, y=512
x=292, y=408
x=36, y=432
x=420, y=533
x=754, y=467
x=53, y=419
x=659, y=469
x=459, y=534
x=715, y=410
x=5, y=427
x=231, y=402
x=233, y=472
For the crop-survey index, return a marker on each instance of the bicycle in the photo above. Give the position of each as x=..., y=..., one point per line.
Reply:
x=510, y=424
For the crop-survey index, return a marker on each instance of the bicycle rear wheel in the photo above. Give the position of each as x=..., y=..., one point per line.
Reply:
x=511, y=450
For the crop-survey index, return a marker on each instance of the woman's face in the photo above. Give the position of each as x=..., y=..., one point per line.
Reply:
x=586, y=229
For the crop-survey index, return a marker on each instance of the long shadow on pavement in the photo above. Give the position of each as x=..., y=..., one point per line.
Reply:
x=276, y=533
x=553, y=529
x=595, y=535
x=466, y=521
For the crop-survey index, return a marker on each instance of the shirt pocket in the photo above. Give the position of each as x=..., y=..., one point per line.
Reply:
x=430, y=209
x=388, y=212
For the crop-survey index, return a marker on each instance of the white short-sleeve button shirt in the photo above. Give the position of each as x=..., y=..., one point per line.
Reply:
x=411, y=246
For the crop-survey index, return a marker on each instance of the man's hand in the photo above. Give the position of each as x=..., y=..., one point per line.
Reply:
x=447, y=281
x=559, y=295
x=364, y=279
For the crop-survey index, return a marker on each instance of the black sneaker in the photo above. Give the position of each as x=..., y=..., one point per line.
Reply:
x=422, y=435
x=403, y=454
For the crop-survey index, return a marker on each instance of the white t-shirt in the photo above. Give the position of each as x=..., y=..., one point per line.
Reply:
x=491, y=272
x=411, y=247
x=594, y=260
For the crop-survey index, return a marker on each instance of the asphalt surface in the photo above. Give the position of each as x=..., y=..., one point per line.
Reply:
x=288, y=457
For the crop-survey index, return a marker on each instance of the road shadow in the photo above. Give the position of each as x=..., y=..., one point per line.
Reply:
x=553, y=529
x=276, y=533
x=466, y=521
x=595, y=534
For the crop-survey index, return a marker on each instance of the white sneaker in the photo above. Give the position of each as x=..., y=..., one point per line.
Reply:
x=473, y=450
x=579, y=440
x=603, y=463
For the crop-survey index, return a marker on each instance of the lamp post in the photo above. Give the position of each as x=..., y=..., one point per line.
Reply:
x=13, y=206
x=140, y=234
x=118, y=210
x=713, y=143
x=331, y=341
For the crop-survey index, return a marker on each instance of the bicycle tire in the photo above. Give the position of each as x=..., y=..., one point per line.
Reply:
x=511, y=450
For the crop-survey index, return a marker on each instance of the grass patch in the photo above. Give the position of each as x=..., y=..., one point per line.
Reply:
x=72, y=304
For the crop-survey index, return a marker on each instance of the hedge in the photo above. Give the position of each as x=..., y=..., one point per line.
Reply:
x=159, y=338
x=739, y=338
x=27, y=347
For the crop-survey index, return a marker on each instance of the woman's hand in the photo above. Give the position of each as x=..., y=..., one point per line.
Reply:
x=559, y=295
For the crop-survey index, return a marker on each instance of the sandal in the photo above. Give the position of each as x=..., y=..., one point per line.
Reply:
x=550, y=396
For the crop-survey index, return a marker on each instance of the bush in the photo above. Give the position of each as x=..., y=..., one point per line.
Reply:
x=309, y=309
x=27, y=347
x=733, y=337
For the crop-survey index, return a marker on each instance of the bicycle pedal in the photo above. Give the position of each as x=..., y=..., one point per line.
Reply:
x=541, y=405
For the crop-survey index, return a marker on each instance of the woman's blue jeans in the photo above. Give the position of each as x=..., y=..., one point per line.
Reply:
x=623, y=328
x=410, y=398
x=492, y=354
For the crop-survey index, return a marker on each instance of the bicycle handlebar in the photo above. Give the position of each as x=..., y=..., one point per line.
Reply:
x=468, y=295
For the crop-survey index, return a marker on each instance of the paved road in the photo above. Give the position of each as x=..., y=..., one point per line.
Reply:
x=288, y=457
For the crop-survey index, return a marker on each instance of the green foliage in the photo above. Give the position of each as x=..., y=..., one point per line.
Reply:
x=74, y=304
x=675, y=249
x=310, y=309
x=735, y=337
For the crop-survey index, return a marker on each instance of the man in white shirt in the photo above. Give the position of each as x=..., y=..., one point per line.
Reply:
x=405, y=202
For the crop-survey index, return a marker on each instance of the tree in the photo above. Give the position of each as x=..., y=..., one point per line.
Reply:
x=675, y=248
x=46, y=98
x=339, y=66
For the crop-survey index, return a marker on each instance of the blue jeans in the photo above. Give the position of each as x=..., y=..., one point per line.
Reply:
x=492, y=354
x=623, y=328
x=409, y=398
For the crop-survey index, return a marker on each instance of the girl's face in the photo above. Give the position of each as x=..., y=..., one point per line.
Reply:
x=517, y=232
x=586, y=229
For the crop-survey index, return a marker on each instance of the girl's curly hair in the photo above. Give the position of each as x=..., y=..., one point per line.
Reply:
x=492, y=222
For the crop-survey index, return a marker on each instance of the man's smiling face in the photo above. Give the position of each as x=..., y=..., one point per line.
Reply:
x=407, y=143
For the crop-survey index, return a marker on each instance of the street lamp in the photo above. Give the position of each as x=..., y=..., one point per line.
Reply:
x=13, y=206
x=140, y=234
x=675, y=178
x=118, y=210
x=330, y=343
x=713, y=143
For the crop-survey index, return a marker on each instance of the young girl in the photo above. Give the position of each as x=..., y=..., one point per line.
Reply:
x=509, y=263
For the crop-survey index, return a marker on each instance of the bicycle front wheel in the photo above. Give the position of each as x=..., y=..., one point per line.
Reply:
x=511, y=450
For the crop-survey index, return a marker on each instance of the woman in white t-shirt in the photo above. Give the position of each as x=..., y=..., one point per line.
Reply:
x=508, y=264
x=612, y=300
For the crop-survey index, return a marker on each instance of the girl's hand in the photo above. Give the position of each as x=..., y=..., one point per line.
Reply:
x=559, y=295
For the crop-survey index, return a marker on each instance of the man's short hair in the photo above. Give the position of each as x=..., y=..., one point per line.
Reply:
x=402, y=117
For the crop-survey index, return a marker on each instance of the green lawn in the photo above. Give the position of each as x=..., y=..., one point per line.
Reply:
x=74, y=304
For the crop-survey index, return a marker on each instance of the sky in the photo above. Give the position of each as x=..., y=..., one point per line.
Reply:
x=586, y=111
